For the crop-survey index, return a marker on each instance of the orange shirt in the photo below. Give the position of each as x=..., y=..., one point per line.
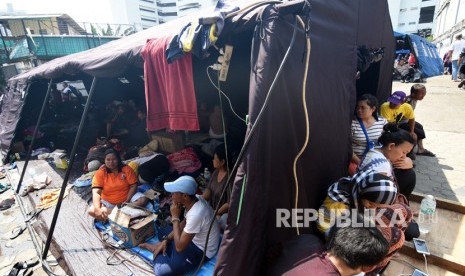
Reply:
x=115, y=187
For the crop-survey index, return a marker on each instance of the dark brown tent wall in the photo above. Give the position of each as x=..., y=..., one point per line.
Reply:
x=265, y=176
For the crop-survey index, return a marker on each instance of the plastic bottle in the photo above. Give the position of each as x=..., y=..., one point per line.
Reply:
x=426, y=217
x=206, y=174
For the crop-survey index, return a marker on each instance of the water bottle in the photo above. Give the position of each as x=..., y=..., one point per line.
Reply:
x=426, y=217
x=206, y=174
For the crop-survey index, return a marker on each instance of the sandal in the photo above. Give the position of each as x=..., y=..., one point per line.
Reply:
x=426, y=153
x=7, y=203
x=18, y=230
x=4, y=188
x=22, y=268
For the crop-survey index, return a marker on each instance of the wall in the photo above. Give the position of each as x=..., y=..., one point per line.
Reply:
x=450, y=21
x=405, y=15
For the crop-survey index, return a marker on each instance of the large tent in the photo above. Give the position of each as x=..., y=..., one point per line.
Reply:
x=298, y=131
x=426, y=53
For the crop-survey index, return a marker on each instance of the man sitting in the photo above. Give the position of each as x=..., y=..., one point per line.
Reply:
x=182, y=249
x=417, y=93
x=350, y=251
x=404, y=70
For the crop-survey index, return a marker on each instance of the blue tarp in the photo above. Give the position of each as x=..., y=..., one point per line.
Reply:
x=430, y=63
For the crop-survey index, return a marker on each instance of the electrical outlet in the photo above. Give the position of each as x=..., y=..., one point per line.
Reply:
x=225, y=64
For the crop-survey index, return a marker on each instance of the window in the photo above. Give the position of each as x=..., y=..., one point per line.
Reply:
x=426, y=14
x=401, y=24
x=148, y=1
x=160, y=4
x=148, y=19
x=43, y=31
x=414, y=8
x=403, y=10
x=147, y=10
x=412, y=23
x=161, y=13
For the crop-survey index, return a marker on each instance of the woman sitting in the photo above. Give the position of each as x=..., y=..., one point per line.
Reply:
x=364, y=140
x=113, y=184
x=394, y=143
x=366, y=127
x=373, y=191
x=215, y=186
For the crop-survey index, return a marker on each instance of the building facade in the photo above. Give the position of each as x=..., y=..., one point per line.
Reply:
x=147, y=13
x=413, y=16
x=450, y=21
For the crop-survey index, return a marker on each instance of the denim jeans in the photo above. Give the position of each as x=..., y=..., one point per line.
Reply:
x=455, y=69
x=173, y=262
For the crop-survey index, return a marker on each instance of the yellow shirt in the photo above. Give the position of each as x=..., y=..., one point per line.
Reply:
x=403, y=113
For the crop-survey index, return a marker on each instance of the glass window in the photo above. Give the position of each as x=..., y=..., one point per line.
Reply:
x=426, y=14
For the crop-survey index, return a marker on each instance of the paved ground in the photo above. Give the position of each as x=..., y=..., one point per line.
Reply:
x=442, y=113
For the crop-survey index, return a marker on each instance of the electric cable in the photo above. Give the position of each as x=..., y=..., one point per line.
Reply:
x=32, y=234
x=226, y=96
x=250, y=135
x=307, y=121
x=426, y=263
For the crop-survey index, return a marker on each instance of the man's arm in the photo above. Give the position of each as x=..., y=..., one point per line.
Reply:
x=181, y=239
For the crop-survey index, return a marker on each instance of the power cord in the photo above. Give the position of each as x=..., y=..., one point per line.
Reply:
x=250, y=135
x=215, y=67
x=426, y=263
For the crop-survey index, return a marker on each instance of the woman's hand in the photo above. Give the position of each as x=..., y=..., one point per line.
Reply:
x=101, y=214
x=404, y=164
x=355, y=159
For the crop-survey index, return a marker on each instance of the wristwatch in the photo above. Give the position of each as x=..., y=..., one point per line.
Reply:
x=165, y=238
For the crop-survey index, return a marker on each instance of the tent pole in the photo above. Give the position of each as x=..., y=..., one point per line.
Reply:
x=68, y=171
x=31, y=146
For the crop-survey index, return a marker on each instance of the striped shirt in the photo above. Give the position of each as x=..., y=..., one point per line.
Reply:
x=359, y=141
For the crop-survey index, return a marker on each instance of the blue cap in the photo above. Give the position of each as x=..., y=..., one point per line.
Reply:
x=184, y=184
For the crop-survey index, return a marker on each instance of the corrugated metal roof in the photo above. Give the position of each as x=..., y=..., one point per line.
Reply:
x=68, y=19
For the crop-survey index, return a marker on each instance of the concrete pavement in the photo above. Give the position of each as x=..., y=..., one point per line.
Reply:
x=442, y=114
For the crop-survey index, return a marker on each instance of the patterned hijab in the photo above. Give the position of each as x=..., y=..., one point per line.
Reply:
x=368, y=185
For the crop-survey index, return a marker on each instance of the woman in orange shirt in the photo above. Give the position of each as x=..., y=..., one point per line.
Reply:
x=113, y=184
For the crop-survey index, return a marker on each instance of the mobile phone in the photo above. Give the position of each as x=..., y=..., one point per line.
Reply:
x=418, y=272
x=420, y=246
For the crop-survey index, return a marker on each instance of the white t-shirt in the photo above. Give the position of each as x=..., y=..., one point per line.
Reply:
x=376, y=161
x=457, y=48
x=198, y=220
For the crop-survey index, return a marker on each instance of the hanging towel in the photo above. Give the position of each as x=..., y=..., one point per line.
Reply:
x=169, y=89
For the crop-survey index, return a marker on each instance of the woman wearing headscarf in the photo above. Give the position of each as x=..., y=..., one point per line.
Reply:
x=368, y=190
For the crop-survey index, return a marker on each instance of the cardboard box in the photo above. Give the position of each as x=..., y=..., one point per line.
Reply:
x=134, y=234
